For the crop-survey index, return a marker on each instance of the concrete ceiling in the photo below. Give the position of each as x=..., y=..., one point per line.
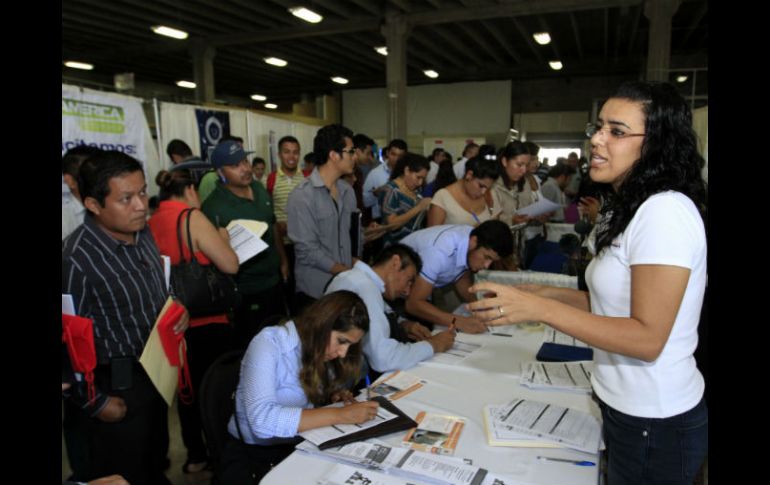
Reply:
x=464, y=40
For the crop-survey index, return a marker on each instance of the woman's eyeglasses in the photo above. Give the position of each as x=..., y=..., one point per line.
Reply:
x=614, y=133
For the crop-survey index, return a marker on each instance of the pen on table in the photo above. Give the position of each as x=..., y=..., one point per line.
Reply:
x=565, y=460
x=368, y=388
x=500, y=334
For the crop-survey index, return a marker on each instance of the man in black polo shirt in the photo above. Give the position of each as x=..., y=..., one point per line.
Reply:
x=112, y=269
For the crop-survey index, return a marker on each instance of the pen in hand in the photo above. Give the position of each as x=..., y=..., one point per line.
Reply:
x=368, y=388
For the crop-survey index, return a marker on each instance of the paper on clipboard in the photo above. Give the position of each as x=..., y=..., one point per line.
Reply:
x=542, y=206
x=246, y=238
x=163, y=375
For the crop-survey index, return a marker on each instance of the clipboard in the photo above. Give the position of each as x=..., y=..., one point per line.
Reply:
x=401, y=423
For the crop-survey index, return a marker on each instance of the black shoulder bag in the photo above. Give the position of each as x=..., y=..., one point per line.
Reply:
x=204, y=290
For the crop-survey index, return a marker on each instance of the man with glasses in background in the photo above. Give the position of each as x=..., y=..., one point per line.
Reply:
x=319, y=215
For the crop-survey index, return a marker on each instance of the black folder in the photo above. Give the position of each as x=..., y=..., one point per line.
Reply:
x=551, y=352
x=401, y=423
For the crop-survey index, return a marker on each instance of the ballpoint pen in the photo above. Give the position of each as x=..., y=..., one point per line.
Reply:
x=368, y=389
x=565, y=460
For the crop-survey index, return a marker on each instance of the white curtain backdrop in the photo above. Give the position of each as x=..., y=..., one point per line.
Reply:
x=259, y=132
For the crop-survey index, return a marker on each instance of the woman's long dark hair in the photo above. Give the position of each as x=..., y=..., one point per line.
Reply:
x=340, y=311
x=512, y=150
x=445, y=176
x=414, y=161
x=669, y=159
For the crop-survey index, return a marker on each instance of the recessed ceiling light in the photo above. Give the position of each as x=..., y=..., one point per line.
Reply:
x=382, y=50
x=306, y=14
x=555, y=65
x=542, y=38
x=186, y=84
x=430, y=73
x=274, y=61
x=258, y=97
x=270, y=105
x=169, y=32
x=340, y=80
x=79, y=65
x=681, y=79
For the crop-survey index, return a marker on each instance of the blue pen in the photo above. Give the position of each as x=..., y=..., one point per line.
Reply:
x=475, y=217
x=564, y=460
x=368, y=388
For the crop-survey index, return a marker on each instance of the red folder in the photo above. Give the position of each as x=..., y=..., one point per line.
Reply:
x=78, y=334
x=175, y=348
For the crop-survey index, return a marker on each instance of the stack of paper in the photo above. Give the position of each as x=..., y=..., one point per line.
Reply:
x=537, y=424
x=402, y=466
x=246, y=238
x=559, y=376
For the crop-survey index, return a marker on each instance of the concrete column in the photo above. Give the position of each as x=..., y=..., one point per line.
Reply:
x=659, y=13
x=203, y=71
x=396, y=32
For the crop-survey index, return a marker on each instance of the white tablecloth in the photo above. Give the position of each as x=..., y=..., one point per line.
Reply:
x=488, y=376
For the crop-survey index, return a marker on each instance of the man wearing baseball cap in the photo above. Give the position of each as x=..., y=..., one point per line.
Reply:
x=238, y=196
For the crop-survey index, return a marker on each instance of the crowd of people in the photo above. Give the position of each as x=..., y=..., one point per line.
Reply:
x=356, y=251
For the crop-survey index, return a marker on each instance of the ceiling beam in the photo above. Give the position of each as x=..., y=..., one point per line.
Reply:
x=554, y=43
x=704, y=8
x=275, y=16
x=481, y=41
x=634, y=29
x=576, y=31
x=527, y=39
x=451, y=39
x=335, y=8
x=402, y=4
x=429, y=45
x=500, y=38
x=606, y=32
x=446, y=15
x=366, y=5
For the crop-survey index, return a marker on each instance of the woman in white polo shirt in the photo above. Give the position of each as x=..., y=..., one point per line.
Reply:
x=646, y=287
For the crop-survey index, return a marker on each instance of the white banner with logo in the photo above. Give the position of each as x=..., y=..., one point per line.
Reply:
x=106, y=120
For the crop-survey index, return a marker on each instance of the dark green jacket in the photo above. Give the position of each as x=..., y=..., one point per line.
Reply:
x=263, y=271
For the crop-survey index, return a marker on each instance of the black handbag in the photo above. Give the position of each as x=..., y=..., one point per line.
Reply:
x=203, y=289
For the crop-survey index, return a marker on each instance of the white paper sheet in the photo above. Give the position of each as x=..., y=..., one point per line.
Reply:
x=542, y=206
x=565, y=426
x=246, y=238
x=319, y=436
x=459, y=352
x=555, y=337
x=568, y=376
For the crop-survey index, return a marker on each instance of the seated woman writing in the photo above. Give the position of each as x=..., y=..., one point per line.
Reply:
x=286, y=372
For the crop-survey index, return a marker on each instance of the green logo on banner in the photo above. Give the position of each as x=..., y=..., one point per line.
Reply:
x=101, y=118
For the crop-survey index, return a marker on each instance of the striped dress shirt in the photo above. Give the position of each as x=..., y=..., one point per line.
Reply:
x=120, y=286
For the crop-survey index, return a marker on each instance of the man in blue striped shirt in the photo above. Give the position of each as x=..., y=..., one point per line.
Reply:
x=112, y=269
